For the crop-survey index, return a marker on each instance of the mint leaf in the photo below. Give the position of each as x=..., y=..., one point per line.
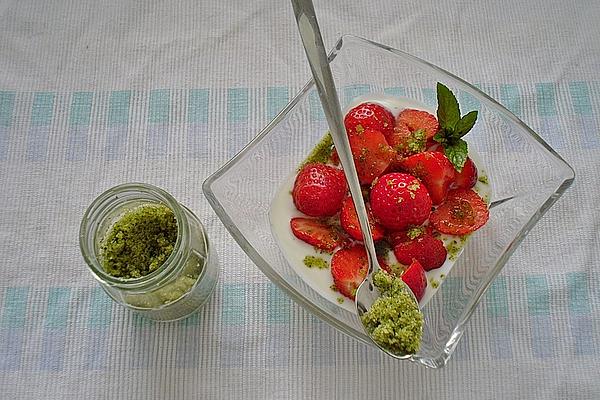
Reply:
x=457, y=153
x=465, y=124
x=448, y=112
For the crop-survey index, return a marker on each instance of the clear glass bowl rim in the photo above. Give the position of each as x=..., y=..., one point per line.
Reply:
x=272, y=275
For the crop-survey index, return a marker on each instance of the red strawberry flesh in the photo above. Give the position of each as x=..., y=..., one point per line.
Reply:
x=399, y=200
x=319, y=190
x=349, y=268
x=316, y=233
x=463, y=212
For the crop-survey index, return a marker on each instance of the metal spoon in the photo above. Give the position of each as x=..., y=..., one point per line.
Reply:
x=310, y=34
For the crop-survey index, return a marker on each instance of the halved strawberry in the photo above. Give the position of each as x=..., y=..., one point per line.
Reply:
x=405, y=141
x=434, y=169
x=416, y=279
x=467, y=178
x=421, y=246
x=319, y=190
x=372, y=154
x=417, y=119
x=463, y=212
x=349, y=221
x=316, y=233
x=369, y=115
x=349, y=268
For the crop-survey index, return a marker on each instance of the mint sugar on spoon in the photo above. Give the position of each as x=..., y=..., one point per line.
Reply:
x=386, y=306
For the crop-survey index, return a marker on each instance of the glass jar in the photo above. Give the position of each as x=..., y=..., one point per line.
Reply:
x=181, y=285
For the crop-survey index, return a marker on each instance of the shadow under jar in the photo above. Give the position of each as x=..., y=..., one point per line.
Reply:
x=181, y=285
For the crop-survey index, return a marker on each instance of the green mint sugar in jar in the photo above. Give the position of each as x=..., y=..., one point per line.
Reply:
x=149, y=253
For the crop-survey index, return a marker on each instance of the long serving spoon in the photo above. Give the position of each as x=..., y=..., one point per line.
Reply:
x=310, y=34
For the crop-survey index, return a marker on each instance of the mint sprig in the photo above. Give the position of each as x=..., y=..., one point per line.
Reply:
x=453, y=127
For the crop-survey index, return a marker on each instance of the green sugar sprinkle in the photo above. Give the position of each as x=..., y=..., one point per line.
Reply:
x=321, y=153
x=484, y=179
x=394, y=321
x=139, y=242
x=315, y=262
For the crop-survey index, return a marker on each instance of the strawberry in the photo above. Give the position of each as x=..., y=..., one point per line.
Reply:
x=372, y=155
x=319, y=190
x=417, y=119
x=405, y=141
x=416, y=279
x=399, y=200
x=349, y=221
x=369, y=115
x=434, y=169
x=463, y=212
x=467, y=178
x=349, y=268
x=316, y=233
x=421, y=246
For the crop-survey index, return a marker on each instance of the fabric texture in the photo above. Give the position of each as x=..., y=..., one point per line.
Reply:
x=93, y=94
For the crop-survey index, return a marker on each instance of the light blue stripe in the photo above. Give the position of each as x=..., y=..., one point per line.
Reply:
x=57, y=313
x=500, y=338
x=316, y=110
x=353, y=91
x=198, y=106
x=277, y=98
x=11, y=348
x=198, y=144
x=81, y=108
x=588, y=128
x=237, y=105
x=79, y=121
x=497, y=298
x=100, y=309
x=116, y=142
x=157, y=140
x=546, y=99
x=118, y=107
x=159, y=109
x=234, y=304
x=7, y=105
x=54, y=336
x=395, y=91
x=579, y=298
x=542, y=343
x=429, y=97
x=14, y=312
x=510, y=97
x=583, y=333
x=278, y=305
x=538, y=295
x=580, y=97
x=140, y=320
x=552, y=132
x=467, y=102
x=118, y=120
x=451, y=290
x=42, y=110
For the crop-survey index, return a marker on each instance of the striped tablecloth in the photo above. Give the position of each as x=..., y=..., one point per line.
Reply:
x=93, y=94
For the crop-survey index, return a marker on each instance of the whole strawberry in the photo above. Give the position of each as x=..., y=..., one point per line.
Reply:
x=319, y=190
x=399, y=200
x=369, y=115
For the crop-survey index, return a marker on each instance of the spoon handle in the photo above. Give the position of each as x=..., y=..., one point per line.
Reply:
x=310, y=34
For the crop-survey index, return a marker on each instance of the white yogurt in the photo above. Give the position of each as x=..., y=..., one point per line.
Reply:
x=294, y=250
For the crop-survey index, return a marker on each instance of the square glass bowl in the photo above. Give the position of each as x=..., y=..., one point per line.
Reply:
x=521, y=167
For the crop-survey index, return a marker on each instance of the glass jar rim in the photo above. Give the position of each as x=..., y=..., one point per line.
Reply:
x=99, y=206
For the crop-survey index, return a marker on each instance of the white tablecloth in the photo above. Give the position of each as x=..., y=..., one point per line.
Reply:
x=85, y=84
